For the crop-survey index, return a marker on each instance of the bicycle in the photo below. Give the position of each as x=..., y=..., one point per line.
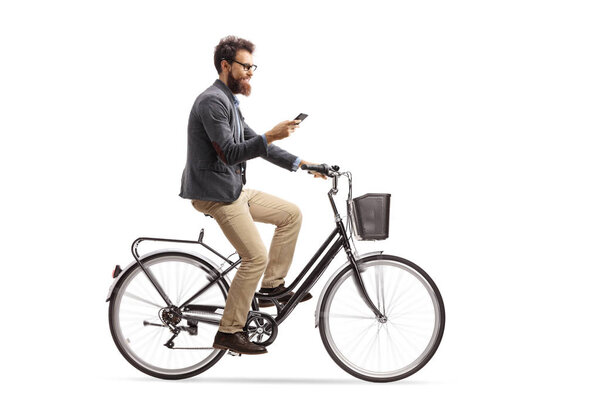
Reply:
x=381, y=317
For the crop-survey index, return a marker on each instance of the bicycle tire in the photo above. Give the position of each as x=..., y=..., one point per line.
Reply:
x=418, y=282
x=121, y=340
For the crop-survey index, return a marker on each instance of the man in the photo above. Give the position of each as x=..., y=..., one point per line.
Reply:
x=219, y=143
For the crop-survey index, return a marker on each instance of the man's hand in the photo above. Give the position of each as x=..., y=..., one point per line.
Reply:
x=316, y=174
x=281, y=130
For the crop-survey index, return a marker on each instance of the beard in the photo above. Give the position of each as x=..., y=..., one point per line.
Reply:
x=238, y=86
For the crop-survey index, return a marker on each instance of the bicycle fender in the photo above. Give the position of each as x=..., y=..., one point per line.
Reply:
x=143, y=257
x=358, y=258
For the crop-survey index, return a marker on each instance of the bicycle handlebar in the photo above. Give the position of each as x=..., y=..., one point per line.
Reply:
x=322, y=169
x=332, y=172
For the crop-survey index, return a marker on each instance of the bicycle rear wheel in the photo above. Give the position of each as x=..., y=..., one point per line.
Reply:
x=139, y=332
x=391, y=348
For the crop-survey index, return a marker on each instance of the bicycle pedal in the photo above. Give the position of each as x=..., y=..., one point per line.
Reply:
x=233, y=353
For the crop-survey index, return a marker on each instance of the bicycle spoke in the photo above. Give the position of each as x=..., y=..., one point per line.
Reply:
x=411, y=329
x=188, y=280
x=367, y=349
x=138, y=298
x=379, y=356
x=137, y=314
x=151, y=341
x=395, y=289
x=398, y=295
x=179, y=282
x=193, y=287
x=408, y=292
x=394, y=349
x=379, y=288
x=337, y=315
x=408, y=341
x=413, y=306
x=358, y=338
x=146, y=286
x=185, y=281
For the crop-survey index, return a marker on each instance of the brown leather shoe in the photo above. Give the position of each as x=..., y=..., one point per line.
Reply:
x=282, y=300
x=238, y=342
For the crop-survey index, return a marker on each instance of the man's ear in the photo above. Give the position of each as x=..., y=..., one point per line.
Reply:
x=224, y=64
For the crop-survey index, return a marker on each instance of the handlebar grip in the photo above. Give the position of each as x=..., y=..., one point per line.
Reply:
x=320, y=168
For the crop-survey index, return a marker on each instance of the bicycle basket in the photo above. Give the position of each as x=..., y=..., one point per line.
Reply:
x=371, y=216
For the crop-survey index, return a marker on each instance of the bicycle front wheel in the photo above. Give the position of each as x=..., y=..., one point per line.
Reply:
x=382, y=349
x=135, y=316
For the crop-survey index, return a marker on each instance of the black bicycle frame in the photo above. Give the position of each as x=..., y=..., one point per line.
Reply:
x=338, y=237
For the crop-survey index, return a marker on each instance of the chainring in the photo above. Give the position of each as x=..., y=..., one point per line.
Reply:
x=261, y=328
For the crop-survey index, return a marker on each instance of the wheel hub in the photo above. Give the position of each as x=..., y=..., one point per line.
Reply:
x=170, y=315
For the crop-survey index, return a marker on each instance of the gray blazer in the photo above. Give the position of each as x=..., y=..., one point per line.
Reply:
x=216, y=153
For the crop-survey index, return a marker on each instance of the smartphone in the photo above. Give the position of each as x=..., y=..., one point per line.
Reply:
x=301, y=117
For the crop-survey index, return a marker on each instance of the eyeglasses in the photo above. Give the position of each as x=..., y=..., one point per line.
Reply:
x=246, y=67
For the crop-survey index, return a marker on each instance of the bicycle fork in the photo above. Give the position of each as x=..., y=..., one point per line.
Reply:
x=357, y=278
x=361, y=287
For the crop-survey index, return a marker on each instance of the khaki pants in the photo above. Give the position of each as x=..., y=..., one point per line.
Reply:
x=237, y=222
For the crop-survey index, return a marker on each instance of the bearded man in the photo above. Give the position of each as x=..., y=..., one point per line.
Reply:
x=219, y=144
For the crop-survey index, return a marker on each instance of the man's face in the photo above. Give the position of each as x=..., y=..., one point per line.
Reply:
x=238, y=80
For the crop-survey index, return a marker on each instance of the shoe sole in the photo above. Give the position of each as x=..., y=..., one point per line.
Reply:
x=219, y=347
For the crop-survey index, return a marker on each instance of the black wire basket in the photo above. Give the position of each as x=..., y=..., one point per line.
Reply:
x=371, y=216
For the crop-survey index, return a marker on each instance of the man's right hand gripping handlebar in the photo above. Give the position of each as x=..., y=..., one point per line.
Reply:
x=321, y=169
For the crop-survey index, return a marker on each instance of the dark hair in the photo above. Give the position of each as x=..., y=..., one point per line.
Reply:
x=228, y=48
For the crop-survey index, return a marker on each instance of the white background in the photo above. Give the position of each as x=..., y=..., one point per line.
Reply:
x=479, y=117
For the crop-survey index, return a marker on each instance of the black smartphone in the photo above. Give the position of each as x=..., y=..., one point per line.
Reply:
x=301, y=117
